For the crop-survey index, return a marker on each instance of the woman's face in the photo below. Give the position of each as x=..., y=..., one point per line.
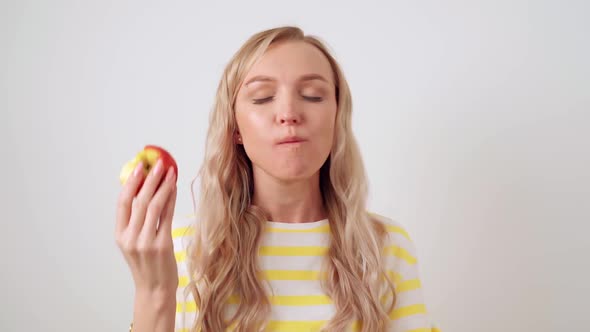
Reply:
x=285, y=111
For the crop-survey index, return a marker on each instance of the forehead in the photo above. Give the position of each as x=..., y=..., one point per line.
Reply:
x=288, y=61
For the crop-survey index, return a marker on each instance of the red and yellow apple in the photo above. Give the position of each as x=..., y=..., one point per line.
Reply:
x=149, y=156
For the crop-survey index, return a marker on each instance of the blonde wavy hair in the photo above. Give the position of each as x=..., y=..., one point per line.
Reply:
x=223, y=255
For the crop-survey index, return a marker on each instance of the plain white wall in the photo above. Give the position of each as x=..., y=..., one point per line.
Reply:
x=473, y=119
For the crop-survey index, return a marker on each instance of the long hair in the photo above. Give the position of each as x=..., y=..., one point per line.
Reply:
x=223, y=255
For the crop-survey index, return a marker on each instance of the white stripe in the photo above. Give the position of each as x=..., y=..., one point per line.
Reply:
x=406, y=270
x=296, y=287
x=418, y=321
x=300, y=313
x=295, y=239
x=408, y=298
x=184, y=319
x=291, y=263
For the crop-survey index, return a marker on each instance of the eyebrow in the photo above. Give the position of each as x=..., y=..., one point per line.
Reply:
x=306, y=77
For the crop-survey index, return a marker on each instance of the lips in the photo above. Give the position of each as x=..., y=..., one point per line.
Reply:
x=290, y=139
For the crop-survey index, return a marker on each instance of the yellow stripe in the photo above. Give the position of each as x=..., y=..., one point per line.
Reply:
x=190, y=306
x=397, y=278
x=318, y=229
x=183, y=281
x=285, y=300
x=303, y=300
x=294, y=326
x=182, y=231
x=401, y=253
x=305, y=275
x=402, y=285
x=275, y=251
x=408, y=285
x=306, y=300
x=399, y=230
x=291, y=275
x=407, y=311
x=311, y=275
x=293, y=250
x=311, y=251
x=233, y=299
x=180, y=256
x=292, y=300
x=308, y=275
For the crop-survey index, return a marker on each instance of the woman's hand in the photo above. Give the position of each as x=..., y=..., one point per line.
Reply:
x=143, y=231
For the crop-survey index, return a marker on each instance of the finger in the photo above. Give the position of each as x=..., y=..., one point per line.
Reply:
x=157, y=205
x=145, y=196
x=165, y=226
x=126, y=196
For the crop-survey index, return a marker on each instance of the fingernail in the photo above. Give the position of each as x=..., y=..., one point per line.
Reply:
x=138, y=169
x=170, y=174
x=158, y=167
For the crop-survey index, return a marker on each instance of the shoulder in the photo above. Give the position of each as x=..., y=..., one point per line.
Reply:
x=401, y=258
x=392, y=226
x=399, y=245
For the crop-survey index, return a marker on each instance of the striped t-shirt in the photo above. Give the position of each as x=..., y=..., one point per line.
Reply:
x=291, y=256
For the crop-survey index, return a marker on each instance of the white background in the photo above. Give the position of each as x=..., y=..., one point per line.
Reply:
x=473, y=118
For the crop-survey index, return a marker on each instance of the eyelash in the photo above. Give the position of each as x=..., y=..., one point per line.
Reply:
x=267, y=99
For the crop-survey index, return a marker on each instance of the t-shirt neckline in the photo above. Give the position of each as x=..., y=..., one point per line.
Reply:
x=299, y=225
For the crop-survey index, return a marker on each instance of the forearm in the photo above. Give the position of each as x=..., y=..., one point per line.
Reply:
x=154, y=312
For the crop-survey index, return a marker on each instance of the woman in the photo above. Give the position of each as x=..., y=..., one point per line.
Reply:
x=281, y=240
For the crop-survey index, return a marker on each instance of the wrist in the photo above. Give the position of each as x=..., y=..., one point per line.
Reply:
x=155, y=300
x=154, y=311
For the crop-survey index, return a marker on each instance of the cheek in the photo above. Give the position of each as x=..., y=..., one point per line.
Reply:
x=326, y=124
x=254, y=129
x=321, y=129
x=251, y=124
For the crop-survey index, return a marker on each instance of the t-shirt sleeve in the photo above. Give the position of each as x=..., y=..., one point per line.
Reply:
x=410, y=311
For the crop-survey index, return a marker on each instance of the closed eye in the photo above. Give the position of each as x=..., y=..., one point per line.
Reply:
x=263, y=100
x=313, y=99
x=268, y=99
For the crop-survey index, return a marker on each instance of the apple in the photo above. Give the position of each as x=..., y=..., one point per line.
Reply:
x=149, y=156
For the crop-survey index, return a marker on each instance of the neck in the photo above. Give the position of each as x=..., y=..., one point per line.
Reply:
x=294, y=201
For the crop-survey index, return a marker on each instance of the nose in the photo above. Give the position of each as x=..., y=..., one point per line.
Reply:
x=288, y=119
x=289, y=112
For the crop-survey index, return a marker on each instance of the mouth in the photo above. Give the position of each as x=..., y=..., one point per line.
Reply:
x=291, y=140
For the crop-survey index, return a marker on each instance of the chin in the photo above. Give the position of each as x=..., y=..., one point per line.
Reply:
x=295, y=174
x=288, y=169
